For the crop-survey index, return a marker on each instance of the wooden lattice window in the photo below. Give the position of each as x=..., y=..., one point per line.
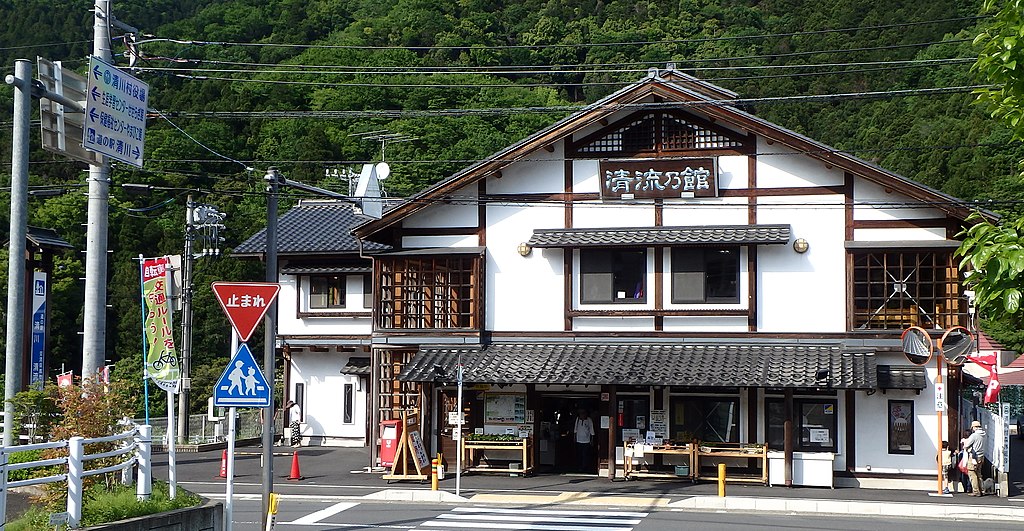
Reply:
x=430, y=293
x=397, y=397
x=660, y=132
x=894, y=290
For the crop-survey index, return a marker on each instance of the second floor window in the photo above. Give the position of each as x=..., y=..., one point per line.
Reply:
x=430, y=292
x=326, y=292
x=705, y=275
x=894, y=290
x=613, y=276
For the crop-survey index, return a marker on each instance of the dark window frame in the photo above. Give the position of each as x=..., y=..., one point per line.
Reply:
x=892, y=290
x=606, y=270
x=348, y=404
x=799, y=444
x=699, y=430
x=430, y=292
x=300, y=400
x=333, y=289
x=695, y=264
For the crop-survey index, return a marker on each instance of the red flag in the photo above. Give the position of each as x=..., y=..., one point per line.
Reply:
x=65, y=379
x=987, y=360
x=992, y=392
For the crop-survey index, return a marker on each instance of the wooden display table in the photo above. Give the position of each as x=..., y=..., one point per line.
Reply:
x=714, y=453
x=639, y=451
x=472, y=452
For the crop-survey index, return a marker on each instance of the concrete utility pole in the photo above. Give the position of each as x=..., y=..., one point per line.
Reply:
x=95, y=309
x=22, y=81
x=270, y=339
x=187, y=267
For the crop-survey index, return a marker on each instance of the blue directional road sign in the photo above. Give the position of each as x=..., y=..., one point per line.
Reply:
x=242, y=384
x=115, y=113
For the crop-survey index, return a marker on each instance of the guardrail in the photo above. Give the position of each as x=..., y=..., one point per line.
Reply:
x=136, y=449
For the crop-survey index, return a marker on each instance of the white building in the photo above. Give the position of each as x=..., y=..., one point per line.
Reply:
x=667, y=261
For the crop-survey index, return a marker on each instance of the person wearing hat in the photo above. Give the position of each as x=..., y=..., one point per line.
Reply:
x=975, y=448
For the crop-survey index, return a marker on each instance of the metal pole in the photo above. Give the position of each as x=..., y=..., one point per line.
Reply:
x=458, y=453
x=229, y=483
x=270, y=340
x=95, y=307
x=172, y=474
x=22, y=81
x=187, y=266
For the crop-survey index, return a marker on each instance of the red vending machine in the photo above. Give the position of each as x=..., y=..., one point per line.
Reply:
x=390, y=434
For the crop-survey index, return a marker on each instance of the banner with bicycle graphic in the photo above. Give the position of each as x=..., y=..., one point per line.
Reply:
x=161, y=356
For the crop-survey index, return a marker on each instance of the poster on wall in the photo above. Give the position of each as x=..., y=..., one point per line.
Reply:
x=505, y=408
x=901, y=427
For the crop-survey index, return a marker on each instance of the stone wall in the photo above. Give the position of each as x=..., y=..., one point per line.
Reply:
x=206, y=517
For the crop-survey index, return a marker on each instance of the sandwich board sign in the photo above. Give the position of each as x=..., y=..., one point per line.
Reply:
x=242, y=383
x=245, y=303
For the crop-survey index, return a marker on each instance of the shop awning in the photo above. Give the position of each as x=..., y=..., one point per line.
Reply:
x=657, y=236
x=894, y=377
x=726, y=365
x=360, y=365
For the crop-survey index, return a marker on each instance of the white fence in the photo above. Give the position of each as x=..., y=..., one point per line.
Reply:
x=136, y=449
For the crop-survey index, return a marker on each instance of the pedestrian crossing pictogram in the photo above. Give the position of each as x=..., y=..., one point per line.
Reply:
x=242, y=383
x=462, y=518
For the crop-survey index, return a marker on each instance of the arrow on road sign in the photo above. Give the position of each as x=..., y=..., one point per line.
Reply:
x=95, y=94
x=242, y=383
x=245, y=303
x=93, y=115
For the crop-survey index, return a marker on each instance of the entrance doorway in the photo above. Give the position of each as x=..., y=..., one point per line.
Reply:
x=557, y=443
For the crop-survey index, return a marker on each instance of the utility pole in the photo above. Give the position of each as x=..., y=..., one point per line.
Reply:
x=22, y=81
x=95, y=308
x=187, y=267
x=270, y=340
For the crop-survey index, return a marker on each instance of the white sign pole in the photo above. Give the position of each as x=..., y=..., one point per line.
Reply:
x=172, y=474
x=230, y=481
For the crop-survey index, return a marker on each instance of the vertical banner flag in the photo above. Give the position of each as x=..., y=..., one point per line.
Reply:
x=37, y=376
x=65, y=379
x=161, y=357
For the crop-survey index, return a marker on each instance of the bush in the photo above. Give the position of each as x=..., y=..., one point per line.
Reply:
x=25, y=457
x=102, y=506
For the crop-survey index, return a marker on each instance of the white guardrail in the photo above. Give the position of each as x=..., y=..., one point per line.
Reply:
x=136, y=449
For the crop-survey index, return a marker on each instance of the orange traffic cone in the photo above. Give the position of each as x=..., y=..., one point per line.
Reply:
x=295, y=475
x=224, y=464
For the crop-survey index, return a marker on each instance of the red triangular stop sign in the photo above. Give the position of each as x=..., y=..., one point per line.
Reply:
x=245, y=303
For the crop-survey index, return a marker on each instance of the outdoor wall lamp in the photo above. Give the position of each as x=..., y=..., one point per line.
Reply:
x=524, y=249
x=801, y=246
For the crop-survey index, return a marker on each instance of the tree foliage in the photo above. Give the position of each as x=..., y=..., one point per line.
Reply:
x=1001, y=63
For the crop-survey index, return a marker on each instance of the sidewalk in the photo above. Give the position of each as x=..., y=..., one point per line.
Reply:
x=342, y=471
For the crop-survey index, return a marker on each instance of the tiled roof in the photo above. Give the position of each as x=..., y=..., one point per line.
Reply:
x=326, y=270
x=357, y=365
x=630, y=236
x=890, y=377
x=44, y=238
x=742, y=365
x=313, y=227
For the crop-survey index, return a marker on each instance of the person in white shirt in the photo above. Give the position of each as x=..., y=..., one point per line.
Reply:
x=584, y=436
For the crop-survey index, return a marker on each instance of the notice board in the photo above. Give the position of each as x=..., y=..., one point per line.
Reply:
x=504, y=408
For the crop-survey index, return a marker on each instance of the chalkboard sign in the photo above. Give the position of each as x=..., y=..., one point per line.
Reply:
x=419, y=453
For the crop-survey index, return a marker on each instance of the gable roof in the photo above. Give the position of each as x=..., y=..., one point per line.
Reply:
x=313, y=227
x=679, y=89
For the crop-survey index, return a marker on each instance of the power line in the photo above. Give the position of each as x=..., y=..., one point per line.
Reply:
x=556, y=45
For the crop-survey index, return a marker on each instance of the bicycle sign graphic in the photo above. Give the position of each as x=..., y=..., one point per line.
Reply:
x=242, y=383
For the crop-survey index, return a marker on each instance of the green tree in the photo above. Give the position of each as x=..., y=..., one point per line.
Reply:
x=1001, y=63
x=993, y=259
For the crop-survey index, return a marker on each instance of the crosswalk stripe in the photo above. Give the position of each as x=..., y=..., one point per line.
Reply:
x=313, y=518
x=552, y=512
x=534, y=519
x=546, y=519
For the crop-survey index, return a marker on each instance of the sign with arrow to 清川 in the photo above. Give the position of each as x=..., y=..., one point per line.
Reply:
x=115, y=113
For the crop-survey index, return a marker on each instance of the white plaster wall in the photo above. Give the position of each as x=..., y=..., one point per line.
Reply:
x=595, y=214
x=540, y=173
x=874, y=202
x=909, y=233
x=732, y=172
x=325, y=387
x=448, y=215
x=803, y=292
x=290, y=324
x=636, y=325
x=586, y=176
x=440, y=241
x=873, y=435
x=783, y=167
x=523, y=293
x=708, y=211
x=700, y=324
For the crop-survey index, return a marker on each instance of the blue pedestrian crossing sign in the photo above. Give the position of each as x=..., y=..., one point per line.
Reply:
x=242, y=383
